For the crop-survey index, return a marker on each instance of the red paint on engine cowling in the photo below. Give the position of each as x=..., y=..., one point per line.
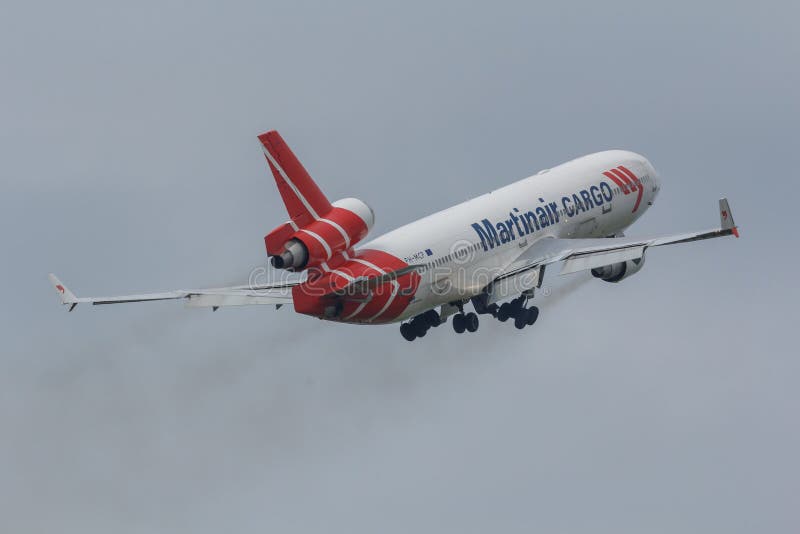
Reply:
x=339, y=229
x=276, y=239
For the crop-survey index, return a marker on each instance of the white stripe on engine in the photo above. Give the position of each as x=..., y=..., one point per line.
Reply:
x=321, y=242
x=341, y=231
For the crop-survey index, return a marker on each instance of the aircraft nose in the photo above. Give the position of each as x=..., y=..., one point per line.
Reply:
x=656, y=179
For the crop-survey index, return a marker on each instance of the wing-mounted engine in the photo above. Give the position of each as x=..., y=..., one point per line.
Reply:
x=318, y=231
x=618, y=271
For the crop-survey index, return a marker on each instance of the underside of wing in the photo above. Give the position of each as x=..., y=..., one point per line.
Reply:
x=584, y=254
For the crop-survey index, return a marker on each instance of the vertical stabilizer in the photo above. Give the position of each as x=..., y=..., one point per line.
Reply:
x=304, y=200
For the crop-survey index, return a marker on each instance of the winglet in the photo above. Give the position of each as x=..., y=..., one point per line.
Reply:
x=67, y=296
x=726, y=217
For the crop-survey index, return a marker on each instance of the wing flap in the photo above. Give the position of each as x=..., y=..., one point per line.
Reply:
x=220, y=300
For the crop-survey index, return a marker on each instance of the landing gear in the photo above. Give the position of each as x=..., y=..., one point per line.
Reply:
x=506, y=310
x=465, y=322
x=533, y=314
x=407, y=331
x=432, y=318
x=516, y=309
x=459, y=323
x=419, y=325
x=471, y=320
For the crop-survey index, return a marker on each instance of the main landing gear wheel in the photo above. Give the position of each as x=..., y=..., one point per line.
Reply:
x=468, y=322
x=432, y=318
x=407, y=331
x=533, y=314
x=504, y=312
x=420, y=327
x=471, y=320
x=526, y=317
x=460, y=323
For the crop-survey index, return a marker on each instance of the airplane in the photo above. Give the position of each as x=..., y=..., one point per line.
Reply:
x=490, y=251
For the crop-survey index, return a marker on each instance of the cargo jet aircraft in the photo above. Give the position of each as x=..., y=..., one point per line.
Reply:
x=490, y=251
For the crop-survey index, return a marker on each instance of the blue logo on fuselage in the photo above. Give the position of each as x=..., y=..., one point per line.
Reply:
x=520, y=224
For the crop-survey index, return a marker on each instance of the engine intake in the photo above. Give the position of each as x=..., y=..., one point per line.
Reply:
x=618, y=271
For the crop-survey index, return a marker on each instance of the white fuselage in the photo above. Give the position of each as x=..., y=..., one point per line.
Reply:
x=486, y=234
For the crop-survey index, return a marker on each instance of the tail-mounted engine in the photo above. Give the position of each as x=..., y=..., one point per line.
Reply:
x=618, y=271
x=335, y=231
x=318, y=230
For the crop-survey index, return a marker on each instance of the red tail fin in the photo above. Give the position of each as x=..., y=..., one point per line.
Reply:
x=304, y=200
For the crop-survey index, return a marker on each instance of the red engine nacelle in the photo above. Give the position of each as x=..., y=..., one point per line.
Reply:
x=297, y=248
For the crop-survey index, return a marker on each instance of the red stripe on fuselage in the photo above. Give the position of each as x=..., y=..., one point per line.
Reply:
x=382, y=304
x=617, y=181
x=638, y=184
x=391, y=298
x=631, y=186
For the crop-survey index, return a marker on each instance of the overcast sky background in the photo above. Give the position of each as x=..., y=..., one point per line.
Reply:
x=129, y=162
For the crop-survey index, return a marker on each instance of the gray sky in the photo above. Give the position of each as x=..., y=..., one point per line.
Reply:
x=667, y=403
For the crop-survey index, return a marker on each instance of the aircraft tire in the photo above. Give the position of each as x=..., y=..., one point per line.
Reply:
x=532, y=315
x=459, y=323
x=420, y=327
x=504, y=312
x=407, y=331
x=472, y=321
x=432, y=318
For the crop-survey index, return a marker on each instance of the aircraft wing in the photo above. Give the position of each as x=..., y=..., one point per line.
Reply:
x=584, y=254
x=275, y=294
